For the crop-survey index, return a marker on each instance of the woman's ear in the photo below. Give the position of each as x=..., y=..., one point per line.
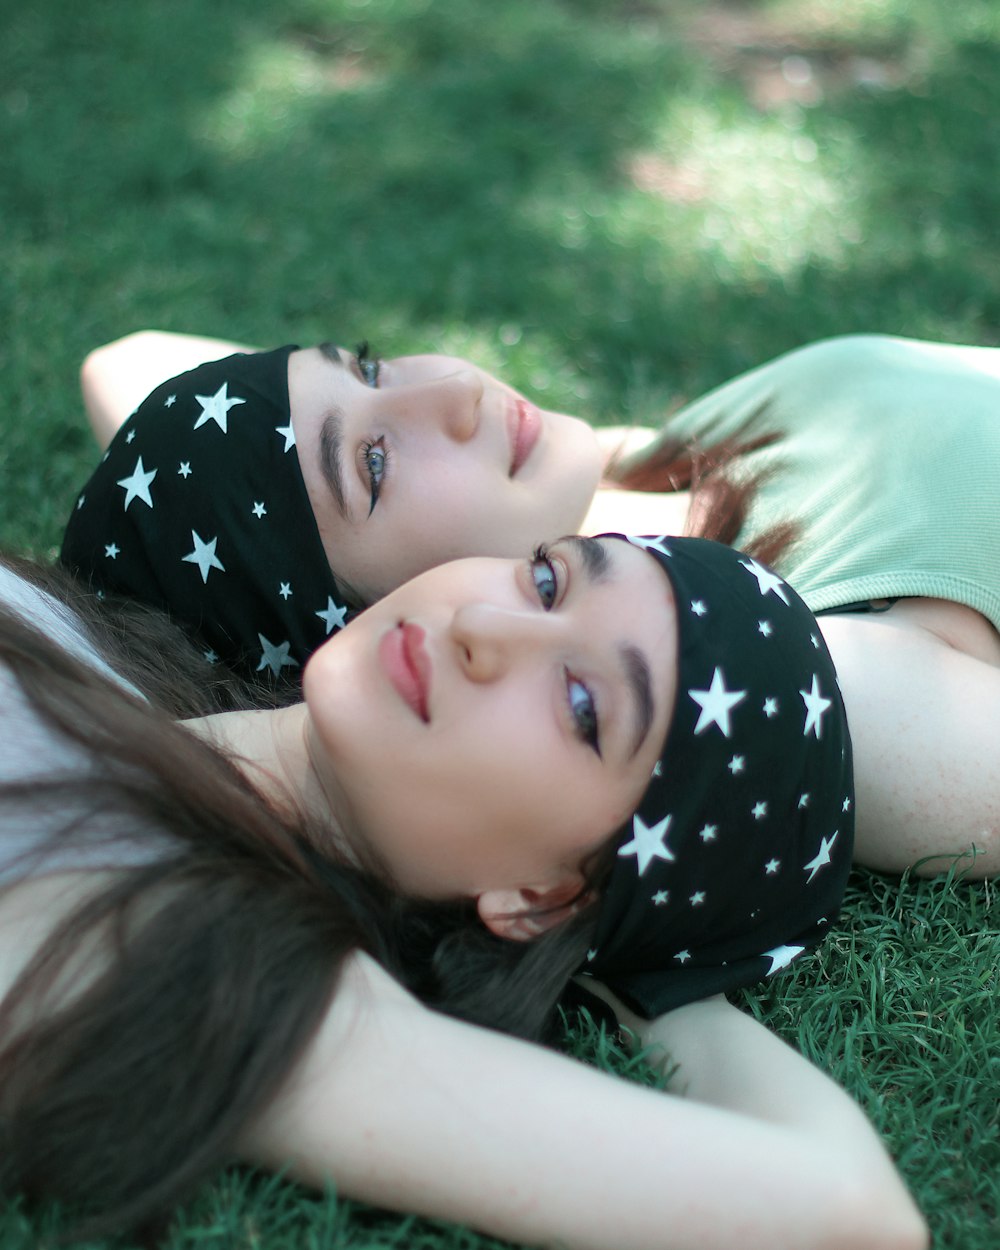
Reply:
x=524, y=914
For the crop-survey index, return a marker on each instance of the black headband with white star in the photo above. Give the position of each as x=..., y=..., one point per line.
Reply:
x=736, y=859
x=199, y=508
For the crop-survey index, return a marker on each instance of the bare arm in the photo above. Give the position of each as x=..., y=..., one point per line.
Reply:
x=117, y=377
x=410, y=1110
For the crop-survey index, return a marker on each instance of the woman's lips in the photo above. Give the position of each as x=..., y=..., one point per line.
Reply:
x=405, y=661
x=525, y=424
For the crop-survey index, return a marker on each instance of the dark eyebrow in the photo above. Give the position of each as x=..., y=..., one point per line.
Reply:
x=331, y=439
x=597, y=567
x=640, y=679
x=594, y=556
x=332, y=353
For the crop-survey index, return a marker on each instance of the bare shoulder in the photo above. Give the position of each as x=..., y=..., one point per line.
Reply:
x=957, y=626
x=954, y=625
x=921, y=684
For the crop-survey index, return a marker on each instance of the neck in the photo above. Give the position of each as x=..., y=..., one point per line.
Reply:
x=271, y=749
x=637, y=512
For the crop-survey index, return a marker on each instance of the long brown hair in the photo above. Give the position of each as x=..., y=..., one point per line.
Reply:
x=221, y=955
x=722, y=489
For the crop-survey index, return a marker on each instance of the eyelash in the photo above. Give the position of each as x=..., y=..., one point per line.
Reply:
x=376, y=476
x=582, y=705
x=369, y=366
x=369, y=363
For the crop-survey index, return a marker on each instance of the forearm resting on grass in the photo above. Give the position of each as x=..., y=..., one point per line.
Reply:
x=409, y=1110
x=117, y=377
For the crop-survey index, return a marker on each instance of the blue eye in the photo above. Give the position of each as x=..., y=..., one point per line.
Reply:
x=369, y=364
x=584, y=711
x=543, y=574
x=376, y=461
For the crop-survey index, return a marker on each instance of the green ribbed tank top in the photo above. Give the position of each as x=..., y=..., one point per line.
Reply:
x=889, y=463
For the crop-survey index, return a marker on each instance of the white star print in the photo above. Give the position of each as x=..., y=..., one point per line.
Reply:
x=772, y=866
x=766, y=580
x=111, y=550
x=288, y=433
x=781, y=957
x=216, y=408
x=203, y=554
x=211, y=656
x=683, y=956
x=83, y=499
x=137, y=486
x=822, y=857
x=660, y=897
x=170, y=401
x=259, y=510
x=803, y=801
x=737, y=764
x=846, y=806
x=765, y=628
x=185, y=469
x=697, y=898
x=591, y=956
x=130, y=436
x=285, y=590
x=814, y=640
x=770, y=707
x=816, y=707
x=708, y=833
x=332, y=616
x=759, y=810
x=657, y=769
x=652, y=544
x=716, y=703
x=275, y=657
x=647, y=843
x=698, y=607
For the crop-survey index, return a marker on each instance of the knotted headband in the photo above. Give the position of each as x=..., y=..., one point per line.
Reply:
x=199, y=508
x=737, y=856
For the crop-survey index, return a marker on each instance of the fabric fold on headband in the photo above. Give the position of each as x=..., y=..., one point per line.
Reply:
x=199, y=508
x=736, y=859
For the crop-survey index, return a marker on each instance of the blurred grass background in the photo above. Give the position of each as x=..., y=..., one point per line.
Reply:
x=614, y=205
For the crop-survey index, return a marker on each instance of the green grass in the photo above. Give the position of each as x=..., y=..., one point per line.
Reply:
x=616, y=205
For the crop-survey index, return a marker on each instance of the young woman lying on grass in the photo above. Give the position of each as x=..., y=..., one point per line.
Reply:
x=864, y=468
x=271, y=936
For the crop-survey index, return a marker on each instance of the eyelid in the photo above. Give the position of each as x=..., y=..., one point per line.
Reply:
x=364, y=354
x=562, y=570
x=542, y=555
x=361, y=453
x=571, y=556
x=573, y=678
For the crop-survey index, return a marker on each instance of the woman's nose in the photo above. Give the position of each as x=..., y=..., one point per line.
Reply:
x=450, y=403
x=491, y=639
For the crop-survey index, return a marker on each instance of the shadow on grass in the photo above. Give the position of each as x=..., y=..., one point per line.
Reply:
x=613, y=205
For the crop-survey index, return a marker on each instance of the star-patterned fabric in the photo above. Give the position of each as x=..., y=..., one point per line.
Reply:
x=199, y=508
x=736, y=859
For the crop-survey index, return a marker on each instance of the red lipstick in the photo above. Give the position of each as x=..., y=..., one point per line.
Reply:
x=406, y=663
x=524, y=423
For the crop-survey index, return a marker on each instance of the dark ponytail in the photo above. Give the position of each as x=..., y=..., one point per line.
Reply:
x=722, y=491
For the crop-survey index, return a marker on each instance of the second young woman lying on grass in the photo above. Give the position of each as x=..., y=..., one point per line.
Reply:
x=216, y=935
x=864, y=467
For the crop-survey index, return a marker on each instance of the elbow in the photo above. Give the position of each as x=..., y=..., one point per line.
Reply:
x=905, y=1230
x=881, y=1217
x=96, y=362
